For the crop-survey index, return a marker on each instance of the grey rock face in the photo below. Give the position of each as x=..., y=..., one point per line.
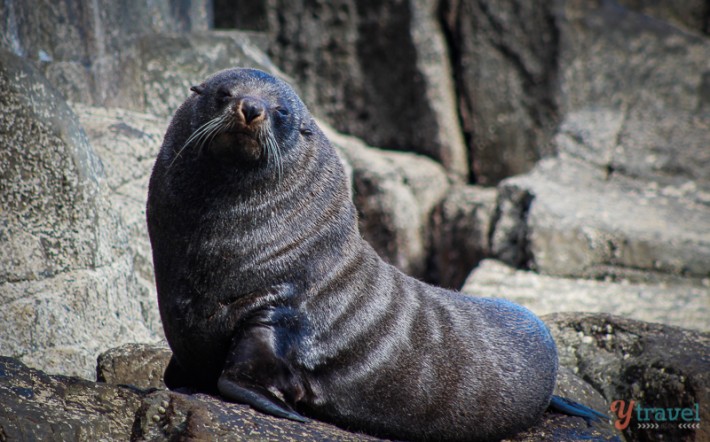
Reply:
x=376, y=70
x=127, y=143
x=395, y=194
x=655, y=365
x=157, y=74
x=67, y=283
x=37, y=406
x=689, y=14
x=460, y=229
x=634, y=95
x=681, y=304
x=582, y=223
x=140, y=365
x=80, y=46
x=504, y=57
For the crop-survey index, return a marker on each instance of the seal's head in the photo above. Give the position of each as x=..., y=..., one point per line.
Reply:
x=244, y=117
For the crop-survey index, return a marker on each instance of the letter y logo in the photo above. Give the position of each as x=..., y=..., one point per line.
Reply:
x=623, y=413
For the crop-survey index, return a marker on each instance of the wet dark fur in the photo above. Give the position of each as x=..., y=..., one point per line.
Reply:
x=269, y=294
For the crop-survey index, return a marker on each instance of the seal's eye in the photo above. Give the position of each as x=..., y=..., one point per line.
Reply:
x=282, y=111
x=224, y=94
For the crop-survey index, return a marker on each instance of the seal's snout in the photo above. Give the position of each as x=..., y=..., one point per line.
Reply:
x=251, y=110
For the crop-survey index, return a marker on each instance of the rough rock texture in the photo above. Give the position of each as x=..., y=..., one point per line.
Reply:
x=581, y=222
x=157, y=76
x=460, y=229
x=681, y=304
x=504, y=57
x=523, y=68
x=140, y=365
x=691, y=14
x=67, y=285
x=37, y=406
x=642, y=115
x=127, y=143
x=376, y=70
x=655, y=365
x=80, y=46
x=395, y=194
x=572, y=387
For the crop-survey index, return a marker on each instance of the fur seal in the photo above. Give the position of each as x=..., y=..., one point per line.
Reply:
x=269, y=295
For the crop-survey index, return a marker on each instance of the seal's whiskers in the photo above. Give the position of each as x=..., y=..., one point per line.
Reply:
x=271, y=147
x=203, y=135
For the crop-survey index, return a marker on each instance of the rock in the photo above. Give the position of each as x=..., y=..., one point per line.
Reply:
x=394, y=91
x=505, y=62
x=66, y=277
x=523, y=69
x=460, y=229
x=140, y=365
x=509, y=236
x=681, y=304
x=128, y=143
x=394, y=193
x=583, y=223
x=561, y=428
x=37, y=406
x=161, y=68
x=572, y=387
x=82, y=45
x=172, y=416
x=628, y=107
x=655, y=365
x=690, y=14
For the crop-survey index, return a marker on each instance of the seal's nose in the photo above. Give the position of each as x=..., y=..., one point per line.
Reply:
x=251, y=109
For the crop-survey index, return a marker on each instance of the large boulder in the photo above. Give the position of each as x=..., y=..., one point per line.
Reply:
x=81, y=46
x=635, y=95
x=67, y=283
x=127, y=143
x=521, y=69
x=682, y=304
x=578, y=221
x=395, y=194
x=459, y=234
x=657, y=366
x=376, y=70
x=505, y=62
x=38, y=406
x=159, y=69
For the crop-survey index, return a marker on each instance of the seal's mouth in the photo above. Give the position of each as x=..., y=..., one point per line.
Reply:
x=242, y=134
x=236, y=145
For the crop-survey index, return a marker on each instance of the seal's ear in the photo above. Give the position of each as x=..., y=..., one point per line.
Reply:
x=198, y=89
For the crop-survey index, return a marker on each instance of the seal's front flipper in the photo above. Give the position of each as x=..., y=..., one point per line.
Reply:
x=569, y=407
x=259, y=399
x=256, y=374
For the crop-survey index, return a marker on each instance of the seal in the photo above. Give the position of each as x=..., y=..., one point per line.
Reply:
x=270, y=297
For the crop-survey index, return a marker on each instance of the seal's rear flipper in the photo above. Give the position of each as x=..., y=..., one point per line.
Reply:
x=572, y=408
x=259, y=399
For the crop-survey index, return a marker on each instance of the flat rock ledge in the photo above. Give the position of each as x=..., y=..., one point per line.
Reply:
x=38, y=406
